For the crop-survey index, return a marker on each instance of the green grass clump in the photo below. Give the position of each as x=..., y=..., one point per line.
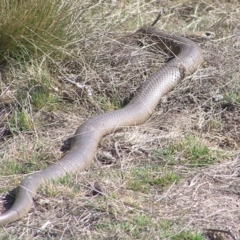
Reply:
x=5, y=236
x=233, y=97
x=165, y=179
x=188, y=235
x=39, y=87
x=65, y=184
x=34, y=27
x=25, y=164
x=35, y=92
x=144, y=177
x=136, y=226
x=20, y=120
x=109, y=105
x=10, y=168
x=190, y=150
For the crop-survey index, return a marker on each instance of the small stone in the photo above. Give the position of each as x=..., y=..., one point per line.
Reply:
x=217, y=97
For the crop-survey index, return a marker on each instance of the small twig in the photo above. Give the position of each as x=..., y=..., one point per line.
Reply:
x=43, y=227
x=222, y=231
x=156, y=20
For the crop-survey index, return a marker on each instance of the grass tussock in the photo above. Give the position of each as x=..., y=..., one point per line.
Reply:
x=188, y=235
x=35, y=28
x=143, y=178
x=190, y=150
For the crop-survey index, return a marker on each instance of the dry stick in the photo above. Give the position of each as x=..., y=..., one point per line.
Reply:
x=222, y=231
x=157, y=18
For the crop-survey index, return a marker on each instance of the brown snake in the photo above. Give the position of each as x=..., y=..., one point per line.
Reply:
x=187, y=58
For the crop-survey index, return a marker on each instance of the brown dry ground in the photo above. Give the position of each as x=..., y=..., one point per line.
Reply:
x=204, y=107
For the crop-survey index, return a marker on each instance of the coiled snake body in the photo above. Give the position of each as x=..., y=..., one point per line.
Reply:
x=188, y=57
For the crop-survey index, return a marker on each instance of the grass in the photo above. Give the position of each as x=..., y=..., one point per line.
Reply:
x=161, y=180
x=5, y=237
x=36, y=93
x=39, y=88
x=141, y=226
x=10, y=168
x=233, y=94
x=54, y=189
x=190, y=150
x=134, y=227
x=144, y=177
x=25, y=164
x=187, y=235
x=21, y=121
x=108, y=105
x=233, y=97
x=35, y=28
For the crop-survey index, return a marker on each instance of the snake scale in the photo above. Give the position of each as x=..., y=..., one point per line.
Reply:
x=187, y=58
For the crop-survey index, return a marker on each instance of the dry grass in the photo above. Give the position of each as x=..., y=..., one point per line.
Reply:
x=205, y=107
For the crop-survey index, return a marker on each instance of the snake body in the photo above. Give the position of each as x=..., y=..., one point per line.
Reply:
x=187, y=58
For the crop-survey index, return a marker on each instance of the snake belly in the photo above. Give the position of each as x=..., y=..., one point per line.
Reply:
x=187, y=58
